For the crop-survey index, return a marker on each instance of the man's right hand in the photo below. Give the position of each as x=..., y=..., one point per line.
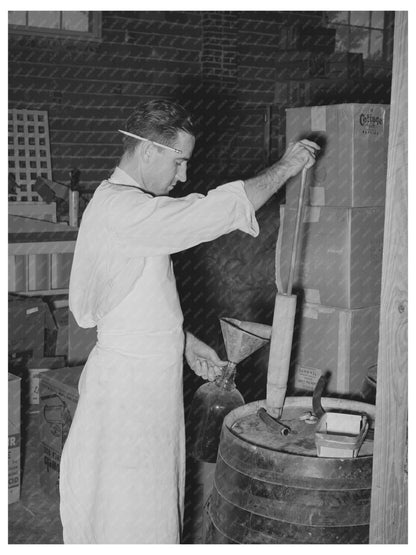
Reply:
x=299, y=155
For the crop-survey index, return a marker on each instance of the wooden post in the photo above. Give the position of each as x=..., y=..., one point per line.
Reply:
x=389, y=500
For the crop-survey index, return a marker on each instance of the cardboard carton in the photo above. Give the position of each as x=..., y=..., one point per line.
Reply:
x=58, y=401
x=343, y=342
x=14, y=438
x=29, y=317
x=352, y=169
x=339, y=258
x=34, y=368
x=29, y=371
x=61, y=316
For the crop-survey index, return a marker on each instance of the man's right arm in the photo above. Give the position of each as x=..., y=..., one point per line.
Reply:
x=297, y=156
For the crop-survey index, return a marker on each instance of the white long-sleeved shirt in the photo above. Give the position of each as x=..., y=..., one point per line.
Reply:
x=122, y=225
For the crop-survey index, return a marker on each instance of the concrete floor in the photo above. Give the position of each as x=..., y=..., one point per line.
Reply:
x=35, y=518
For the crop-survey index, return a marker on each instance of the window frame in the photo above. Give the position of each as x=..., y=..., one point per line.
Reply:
x=94, y=35
x=385, y=55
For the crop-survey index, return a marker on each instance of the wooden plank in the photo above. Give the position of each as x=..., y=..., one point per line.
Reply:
x=389, y=502
x=47, y=247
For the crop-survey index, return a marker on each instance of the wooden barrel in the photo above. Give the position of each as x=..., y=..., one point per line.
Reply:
x=270, y=488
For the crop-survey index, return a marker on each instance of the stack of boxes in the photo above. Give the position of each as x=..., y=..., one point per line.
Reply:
x=58, y=398
x=31, y=329
x=41, y=342
x=14, y=438
x=338, y=271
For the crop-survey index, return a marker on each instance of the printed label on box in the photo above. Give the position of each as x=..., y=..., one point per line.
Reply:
x=306, y=378
x=14, y=467
x=49, y=470
x=51, y=459
x=34, y=384
x=371, y=121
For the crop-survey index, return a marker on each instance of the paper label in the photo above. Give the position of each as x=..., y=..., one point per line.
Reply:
x=32, y=310
x=370, y=121
x=306, y=378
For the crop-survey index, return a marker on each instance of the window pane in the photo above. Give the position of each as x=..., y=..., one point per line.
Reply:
x=341, y=39
x=359, y=41
x=376, y=45
x=337, y=17
x=75, y=21
x=17, y=18
x=377, y=20
x=50, y=20
x=360, y=18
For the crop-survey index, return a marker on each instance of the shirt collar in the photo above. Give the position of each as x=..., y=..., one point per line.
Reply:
x=120, y=176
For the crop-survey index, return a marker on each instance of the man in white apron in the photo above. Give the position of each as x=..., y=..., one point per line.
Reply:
x=123, y=464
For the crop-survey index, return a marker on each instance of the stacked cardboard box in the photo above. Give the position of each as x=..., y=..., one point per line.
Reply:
x=59, y=338
x=29, y=321
x=339, y=257
x=352, y=169
x=58, y=397
x=338, y=271
x=35, y=368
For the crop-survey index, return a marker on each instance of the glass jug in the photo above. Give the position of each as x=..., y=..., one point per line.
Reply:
x=211, y=403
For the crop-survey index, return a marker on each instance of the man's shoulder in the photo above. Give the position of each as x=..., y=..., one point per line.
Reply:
x=122, y=192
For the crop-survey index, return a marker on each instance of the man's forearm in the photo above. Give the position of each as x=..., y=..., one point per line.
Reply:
x=298, y=155
x=260, y=188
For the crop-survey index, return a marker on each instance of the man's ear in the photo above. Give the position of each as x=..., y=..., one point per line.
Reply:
x=145, y=150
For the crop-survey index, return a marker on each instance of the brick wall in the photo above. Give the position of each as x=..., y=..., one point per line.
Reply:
x=89, y=88
x=226, y=66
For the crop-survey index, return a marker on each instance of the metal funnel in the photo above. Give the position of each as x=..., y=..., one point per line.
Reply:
x=241, y=338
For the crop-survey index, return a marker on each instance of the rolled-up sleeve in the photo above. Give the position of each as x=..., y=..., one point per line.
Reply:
x=143, y=225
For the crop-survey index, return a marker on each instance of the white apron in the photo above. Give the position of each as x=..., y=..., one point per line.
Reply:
x=123, y=465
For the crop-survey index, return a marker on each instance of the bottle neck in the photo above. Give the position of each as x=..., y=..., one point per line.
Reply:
x=226, y=381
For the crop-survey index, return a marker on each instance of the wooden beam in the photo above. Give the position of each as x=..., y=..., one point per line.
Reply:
x=389, y=500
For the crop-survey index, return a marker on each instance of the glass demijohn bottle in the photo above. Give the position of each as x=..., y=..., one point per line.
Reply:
x=211, y=403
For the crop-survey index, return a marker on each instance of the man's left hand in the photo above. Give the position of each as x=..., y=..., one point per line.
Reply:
x=203, y=360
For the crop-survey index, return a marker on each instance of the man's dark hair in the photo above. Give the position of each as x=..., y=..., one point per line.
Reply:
x=157, y=120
